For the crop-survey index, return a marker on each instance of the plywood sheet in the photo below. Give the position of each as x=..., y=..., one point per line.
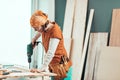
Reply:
x=109, y=64
x=97, y=41
x=115, y=28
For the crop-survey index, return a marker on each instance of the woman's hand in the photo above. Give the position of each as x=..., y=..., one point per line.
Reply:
x=42, y=69
x=36, y=70
x=33, y=42
x=33, y=70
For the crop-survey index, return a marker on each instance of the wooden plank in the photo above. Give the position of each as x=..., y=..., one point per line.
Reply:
x=115, y=28
x=27, y=74
x=78, y=36
x=86, y=41
x=69, y=18
x=67, y=44
x=109, y=64
x=97, y=40
x=68, y=24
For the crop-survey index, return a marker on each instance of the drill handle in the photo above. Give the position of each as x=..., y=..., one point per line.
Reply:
x=35, y=44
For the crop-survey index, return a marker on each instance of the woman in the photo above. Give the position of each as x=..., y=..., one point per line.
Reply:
x=56, y=56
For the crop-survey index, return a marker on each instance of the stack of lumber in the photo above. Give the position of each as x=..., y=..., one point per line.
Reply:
x=96, y=42
x=89, y=51
x=74, y=33
x=103, y=61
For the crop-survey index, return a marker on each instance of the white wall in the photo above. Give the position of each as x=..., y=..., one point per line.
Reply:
x=14, y=31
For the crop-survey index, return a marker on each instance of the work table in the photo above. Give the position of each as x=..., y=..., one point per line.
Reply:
x=27, y=74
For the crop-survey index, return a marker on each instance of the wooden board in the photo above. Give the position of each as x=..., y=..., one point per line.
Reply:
x=67, y=44
x=69, y=18
x=115, y=28
x=86, y=41
x=109, y=64
x=78, y=36
x=27, y=74
x=68, y=24
x=97, y=41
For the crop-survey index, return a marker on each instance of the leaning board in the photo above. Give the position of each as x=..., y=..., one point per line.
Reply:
x=78, y=37
x=69, y=17
x=97, y=41
x=109, y=64
x=68, y=24
x=115, y=28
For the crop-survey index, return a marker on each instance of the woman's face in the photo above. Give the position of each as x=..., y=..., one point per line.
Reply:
x=39, y=29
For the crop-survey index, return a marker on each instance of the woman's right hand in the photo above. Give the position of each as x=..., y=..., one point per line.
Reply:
x=33, y=42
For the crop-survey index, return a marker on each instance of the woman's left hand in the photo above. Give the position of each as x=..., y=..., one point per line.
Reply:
x=35, y=71
x=42, y=69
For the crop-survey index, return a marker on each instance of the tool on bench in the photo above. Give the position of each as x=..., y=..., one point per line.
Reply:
x=4, y=72
x=30, y=48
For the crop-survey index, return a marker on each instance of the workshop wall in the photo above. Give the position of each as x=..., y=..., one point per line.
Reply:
x=103, y=14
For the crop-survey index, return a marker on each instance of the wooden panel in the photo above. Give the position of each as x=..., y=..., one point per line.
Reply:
x=68, y=24
x=67, y=44
x=109, y=64
x=78, y=36
x=86, y=41
x=115, y=28
x=27, y=74
x=69, y=17
x=97, y=40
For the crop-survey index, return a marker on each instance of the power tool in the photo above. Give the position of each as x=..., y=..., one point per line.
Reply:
x=30, y=51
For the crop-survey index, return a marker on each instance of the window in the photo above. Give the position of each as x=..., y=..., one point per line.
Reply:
x=14, y=31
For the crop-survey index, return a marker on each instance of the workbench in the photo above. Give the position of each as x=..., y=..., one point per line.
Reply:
x=27, y=74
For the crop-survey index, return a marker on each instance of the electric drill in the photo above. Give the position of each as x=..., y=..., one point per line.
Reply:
x=30, y=51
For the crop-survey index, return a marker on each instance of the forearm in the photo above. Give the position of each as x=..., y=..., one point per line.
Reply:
x=50, y=53
x=51, y=50
x=37, y=36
